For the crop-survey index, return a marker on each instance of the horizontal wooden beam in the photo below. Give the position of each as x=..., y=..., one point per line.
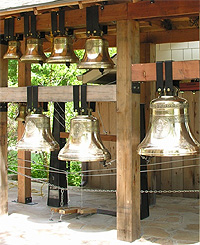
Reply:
x=104, y=137
x=58, y=94
x=182, y=70
x=162, y=9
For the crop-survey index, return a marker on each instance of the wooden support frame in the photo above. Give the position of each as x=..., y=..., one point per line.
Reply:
x=128, y=161
x=24, y=157
x=3, y=137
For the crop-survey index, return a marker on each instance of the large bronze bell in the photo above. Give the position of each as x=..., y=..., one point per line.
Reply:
x=21, y=117
x=34, y=51
x=169, y=132
x=84, y=143
x=37, y=135
x=62, y=51
x=13, y=51
x=96, y=54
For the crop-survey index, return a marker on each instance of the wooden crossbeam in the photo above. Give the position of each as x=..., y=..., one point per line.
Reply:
x=182, y=70
x=58, y=93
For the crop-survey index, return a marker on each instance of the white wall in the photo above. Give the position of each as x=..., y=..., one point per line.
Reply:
x=178, y=51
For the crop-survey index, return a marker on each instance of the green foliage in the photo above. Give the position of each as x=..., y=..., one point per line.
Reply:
x=74, y=179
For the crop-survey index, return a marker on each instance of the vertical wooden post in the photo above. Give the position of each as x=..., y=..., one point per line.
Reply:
x=3, y=137
x=24, y=183
x=128, y=133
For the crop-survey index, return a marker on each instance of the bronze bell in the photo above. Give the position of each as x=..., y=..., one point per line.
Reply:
x=37, y=135
x=21, y=117
x=96, y=54
x=62, y=51
x=13, y=51
x=169, y=132
x=34, y=51
x=84, y=143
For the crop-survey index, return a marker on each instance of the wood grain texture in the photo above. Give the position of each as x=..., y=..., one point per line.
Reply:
x=24, y=163
x=182, y=70
x=128, y=174
x=3, y=137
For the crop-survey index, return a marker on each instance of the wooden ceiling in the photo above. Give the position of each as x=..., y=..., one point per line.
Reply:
x=160, y=22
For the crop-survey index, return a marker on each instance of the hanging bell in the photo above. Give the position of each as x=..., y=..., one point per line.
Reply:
x=37, y=135
x=96, y=54
x=62, y=51
x=34, y=51
x=21, y=117
x=169, y=132
x=13, y=51
x=84, y=143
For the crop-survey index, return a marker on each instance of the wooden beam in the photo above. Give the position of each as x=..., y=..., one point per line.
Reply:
x=104, y=137
x=172, y=36
x=182, y=70
x=3, y=137
x=24, y=163
x=162, y=9
x=58, y=93
x=128, y=133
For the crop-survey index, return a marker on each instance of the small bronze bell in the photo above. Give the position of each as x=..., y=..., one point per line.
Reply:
x=96, y=54
x=37, y=135
x=21, y=117
x=34, y=51
x=169, y=132
x=84, y=143
x=13, y=51
x=62, y=51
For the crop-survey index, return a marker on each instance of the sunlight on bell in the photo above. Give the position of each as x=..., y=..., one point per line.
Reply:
x=96, y=54
x=84, y=143
x=13, y=51
x=37, y=135
x=169, y=133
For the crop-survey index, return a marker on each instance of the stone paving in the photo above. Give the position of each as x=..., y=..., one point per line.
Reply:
x=173, y=220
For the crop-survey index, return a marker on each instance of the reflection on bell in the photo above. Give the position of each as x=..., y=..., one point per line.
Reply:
x=37, y=135
x=96, y=54
x=169, y=132
x=22, y=113
x=34, y=51
x=84, y=143
x=62, y=51
x=13, y=51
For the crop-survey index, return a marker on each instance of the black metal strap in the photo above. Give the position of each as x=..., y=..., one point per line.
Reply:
x=76, y=98
x=33, y=26
x=29, y=98
x=11, y=28
x=54, y=22
x=6, y=28
x=62, y=21
x=3, y=106
x=92, y=21
x=26, y=25
x=93, y=106
x=45, y=106
x=35, y=98
x=84, y=99
x=159, y=77
x=168, y=77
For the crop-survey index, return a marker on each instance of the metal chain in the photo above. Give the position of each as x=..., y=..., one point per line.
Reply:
x=107, y=191
x=62, y=197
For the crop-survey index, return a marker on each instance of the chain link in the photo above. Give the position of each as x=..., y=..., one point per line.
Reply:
x=62, y=197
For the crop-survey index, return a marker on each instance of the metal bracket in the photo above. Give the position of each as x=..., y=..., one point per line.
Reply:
x=76, y=98
x=84, y=99
x=28, y=200
x=168, y=77
x=136, y=87
x=159, y=77
x=9, y=29
x=3, y=107
x=32, y=99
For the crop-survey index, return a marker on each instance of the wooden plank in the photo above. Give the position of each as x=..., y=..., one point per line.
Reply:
x=128, y=128
x=24, y=164
x=104, y=137
x=59, y=93
x=185, y=35
x=87, y=211
x=162, y=9
x=182, y=70
x=3, y=137
x=68, y=211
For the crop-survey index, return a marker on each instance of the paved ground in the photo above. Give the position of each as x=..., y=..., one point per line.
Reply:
x=172, y=221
